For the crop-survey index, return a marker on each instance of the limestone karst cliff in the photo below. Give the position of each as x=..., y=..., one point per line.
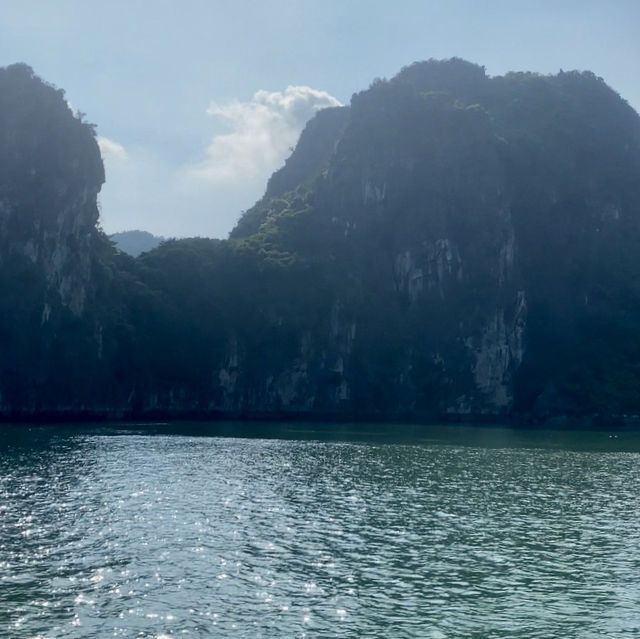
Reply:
x=50, y=175
x=450, y=244
x=481, y=234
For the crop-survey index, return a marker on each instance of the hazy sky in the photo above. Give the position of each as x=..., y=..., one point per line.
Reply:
x=198, y=101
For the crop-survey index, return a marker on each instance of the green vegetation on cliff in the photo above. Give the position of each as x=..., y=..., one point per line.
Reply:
x=450, y=243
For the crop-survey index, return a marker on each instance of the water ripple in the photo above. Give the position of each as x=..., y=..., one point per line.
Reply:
x=167, y=536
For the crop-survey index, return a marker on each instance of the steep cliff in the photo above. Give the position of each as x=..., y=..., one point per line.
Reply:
x=481, y=238
x=50, y=175
x=450, y=244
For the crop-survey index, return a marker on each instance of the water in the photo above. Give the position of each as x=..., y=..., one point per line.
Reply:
x=317, y=532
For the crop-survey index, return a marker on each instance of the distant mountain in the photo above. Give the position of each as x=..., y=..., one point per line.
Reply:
x=136, y=242
x=451, y=245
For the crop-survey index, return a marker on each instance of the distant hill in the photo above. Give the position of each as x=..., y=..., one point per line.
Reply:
x=136, y=242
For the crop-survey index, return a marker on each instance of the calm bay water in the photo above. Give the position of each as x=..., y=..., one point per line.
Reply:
x=318, y=532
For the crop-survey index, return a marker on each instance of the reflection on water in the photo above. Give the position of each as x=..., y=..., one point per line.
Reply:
x=318, y=533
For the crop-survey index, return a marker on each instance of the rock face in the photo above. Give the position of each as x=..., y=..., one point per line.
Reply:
x=50, y=175
x=449, y=245
x=473, y=219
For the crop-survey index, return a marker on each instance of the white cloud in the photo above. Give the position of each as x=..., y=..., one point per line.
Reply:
x=111, y=150
x=147, y=189
x=263, y=130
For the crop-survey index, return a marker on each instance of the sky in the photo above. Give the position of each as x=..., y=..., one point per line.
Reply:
x=197, y=102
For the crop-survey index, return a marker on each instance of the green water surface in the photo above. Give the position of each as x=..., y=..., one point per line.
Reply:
x=230, y=530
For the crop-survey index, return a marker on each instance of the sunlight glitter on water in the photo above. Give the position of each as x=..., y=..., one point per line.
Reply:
x=173, y=536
